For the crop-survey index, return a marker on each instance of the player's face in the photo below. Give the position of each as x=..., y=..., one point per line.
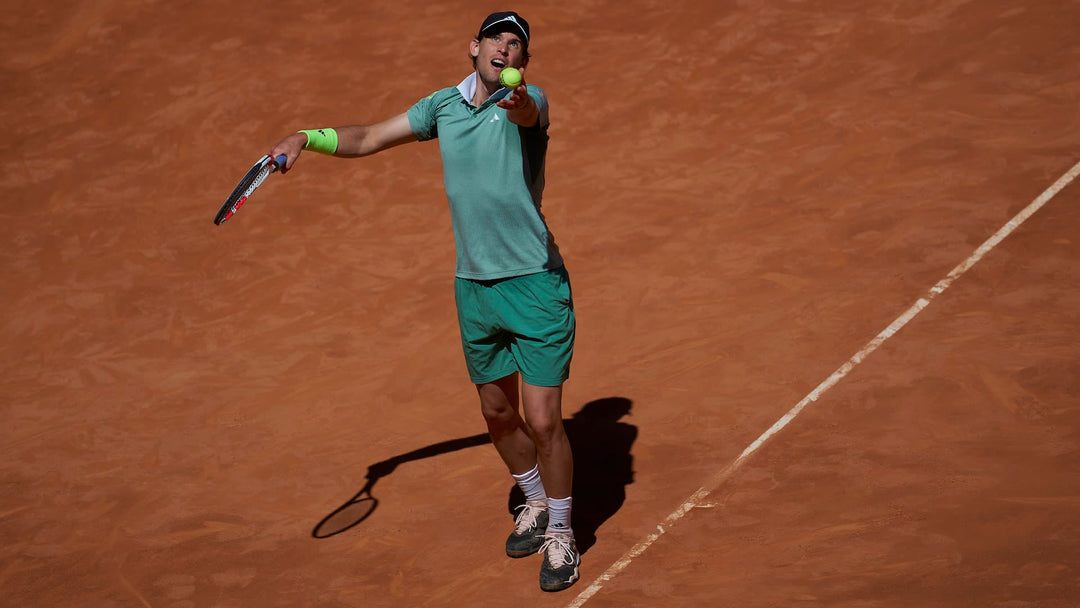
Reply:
x=498, y=51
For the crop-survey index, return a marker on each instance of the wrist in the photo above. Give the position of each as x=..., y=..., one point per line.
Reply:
x=321, y=140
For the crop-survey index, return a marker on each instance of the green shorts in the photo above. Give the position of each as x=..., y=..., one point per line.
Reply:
x=520, y=324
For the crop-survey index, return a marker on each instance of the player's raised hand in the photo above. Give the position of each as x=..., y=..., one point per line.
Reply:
x=513, y=79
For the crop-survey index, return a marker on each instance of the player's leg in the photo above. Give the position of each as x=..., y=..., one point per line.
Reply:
x=511, y=438
x=492, y=368
x=543, y=415
x=540, y=311
x=499, y=406
x=543, y=412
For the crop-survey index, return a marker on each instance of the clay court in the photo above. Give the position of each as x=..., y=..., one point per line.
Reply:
x=746, y=193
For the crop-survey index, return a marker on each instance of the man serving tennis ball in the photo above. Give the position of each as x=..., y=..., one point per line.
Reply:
x=515, y=310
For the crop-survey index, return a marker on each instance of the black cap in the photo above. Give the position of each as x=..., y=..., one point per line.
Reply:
x=506, y=21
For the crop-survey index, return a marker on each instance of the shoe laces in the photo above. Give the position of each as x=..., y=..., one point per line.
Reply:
x=526, y=517
x=560, y=549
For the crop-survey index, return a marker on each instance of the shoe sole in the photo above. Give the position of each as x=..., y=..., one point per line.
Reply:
x=559, y=586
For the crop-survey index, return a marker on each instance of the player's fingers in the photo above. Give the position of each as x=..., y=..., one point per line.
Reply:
x=290, y=147
x=514, y=100
x=276, y=152
x=290, y=153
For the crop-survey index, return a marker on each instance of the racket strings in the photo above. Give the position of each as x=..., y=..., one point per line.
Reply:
x=259, y=179
x=254, y=178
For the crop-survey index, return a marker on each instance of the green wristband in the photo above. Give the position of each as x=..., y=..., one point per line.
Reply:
x=321, y=140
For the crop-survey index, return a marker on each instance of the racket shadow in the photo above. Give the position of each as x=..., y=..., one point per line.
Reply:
x=362, y=505
x=603, y=467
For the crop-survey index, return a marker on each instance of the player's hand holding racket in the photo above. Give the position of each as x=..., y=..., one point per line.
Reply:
x=254, y=178
x=281, y=158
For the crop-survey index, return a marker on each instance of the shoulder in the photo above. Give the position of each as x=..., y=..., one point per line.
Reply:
x=537, y=94
x=442, y=97
x=540, y=98
x=424, y=114
x=436, y=100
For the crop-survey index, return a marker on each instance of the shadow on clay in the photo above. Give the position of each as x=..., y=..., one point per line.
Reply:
x=603, y=467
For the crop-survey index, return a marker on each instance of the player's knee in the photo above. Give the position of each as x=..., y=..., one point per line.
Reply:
x=497, y=413
x=546, y=430
x=498, y=401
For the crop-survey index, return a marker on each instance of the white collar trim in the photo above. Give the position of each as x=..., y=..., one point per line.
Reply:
x=467, y=88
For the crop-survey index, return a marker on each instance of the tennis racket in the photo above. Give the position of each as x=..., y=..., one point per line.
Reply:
x=251, y=181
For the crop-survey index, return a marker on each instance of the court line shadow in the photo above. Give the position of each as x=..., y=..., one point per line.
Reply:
x=603, y=467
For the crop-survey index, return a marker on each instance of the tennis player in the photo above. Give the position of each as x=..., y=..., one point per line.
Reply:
x=515, y=309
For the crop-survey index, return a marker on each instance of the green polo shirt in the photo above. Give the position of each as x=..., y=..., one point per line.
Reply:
x=494, y=176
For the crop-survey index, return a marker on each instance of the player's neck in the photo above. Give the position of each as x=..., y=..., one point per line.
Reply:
x=483, y=91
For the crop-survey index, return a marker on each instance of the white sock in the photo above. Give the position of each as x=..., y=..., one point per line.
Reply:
x=559, y=515
x=531, y=484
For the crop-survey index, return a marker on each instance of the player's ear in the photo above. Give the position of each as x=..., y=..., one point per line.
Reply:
x=474, y=48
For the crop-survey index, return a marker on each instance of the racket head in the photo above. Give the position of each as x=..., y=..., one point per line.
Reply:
x=346, y=516
x=252, y=180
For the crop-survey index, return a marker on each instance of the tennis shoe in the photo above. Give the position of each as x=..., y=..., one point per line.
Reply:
x=561, y=561
x=528, y=534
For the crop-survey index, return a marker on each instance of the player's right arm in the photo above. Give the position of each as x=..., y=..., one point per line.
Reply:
x=352, y=141
x=362, y=140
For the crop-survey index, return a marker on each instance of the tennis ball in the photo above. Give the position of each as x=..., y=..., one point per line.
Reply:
x=510, y=78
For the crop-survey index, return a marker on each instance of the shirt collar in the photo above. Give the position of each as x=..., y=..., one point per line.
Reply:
x=467, y=88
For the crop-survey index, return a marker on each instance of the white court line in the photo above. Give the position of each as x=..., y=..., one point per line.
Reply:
x=696, y=499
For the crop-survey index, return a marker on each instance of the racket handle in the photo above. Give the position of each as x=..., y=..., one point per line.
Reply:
x=279, y=161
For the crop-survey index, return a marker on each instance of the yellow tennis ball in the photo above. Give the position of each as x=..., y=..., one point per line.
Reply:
x=510, y=78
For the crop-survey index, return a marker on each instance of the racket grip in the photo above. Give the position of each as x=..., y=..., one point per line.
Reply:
x=279, y=161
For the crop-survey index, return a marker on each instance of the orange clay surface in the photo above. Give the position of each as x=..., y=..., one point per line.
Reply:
x=746, y=193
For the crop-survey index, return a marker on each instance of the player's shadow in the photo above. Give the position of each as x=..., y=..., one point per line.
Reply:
x=602, y=470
